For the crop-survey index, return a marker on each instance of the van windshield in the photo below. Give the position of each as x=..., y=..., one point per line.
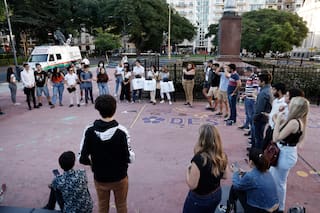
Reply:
x=38, y=58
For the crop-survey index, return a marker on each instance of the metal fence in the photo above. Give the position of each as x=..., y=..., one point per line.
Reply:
x=305, y=78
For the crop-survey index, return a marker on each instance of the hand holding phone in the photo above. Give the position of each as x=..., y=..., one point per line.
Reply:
x=56, y=172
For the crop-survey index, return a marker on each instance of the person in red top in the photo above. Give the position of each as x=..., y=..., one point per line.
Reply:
x=57, y=80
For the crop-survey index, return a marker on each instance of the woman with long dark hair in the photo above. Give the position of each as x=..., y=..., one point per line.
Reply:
x=11, y=79
x=57, y=79
x=208, y=167
x=255, y=189
x=188, y=83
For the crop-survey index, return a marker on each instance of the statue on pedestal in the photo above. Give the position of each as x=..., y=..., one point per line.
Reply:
x=230, y=7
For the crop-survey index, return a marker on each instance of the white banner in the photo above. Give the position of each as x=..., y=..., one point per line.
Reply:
x=150, y=85
x=137, y=83
x=166, y=87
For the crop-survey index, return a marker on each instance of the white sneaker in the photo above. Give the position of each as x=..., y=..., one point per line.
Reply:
x=162, y=101
x=170, y=102
x=16, y=104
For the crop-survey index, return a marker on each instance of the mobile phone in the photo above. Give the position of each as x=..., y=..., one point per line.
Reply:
x=236, y=166
x=55, y=172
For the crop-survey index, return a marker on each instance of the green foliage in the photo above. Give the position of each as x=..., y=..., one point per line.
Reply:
x=272, y=30
x=213, y=30
x=145, y=21
x=2, y=12
x=106, y=41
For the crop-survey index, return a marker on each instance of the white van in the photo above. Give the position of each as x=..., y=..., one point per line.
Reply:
x=54, y=56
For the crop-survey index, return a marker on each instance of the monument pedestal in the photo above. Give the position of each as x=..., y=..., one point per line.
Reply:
x=229, y=38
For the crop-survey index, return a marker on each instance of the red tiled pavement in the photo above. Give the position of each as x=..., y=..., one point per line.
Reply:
x=31, y=141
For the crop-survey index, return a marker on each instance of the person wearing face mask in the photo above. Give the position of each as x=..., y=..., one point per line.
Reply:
x=118, y=75
x=100, y=65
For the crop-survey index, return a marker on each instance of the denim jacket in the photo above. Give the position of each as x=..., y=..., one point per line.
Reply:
x=260, y=188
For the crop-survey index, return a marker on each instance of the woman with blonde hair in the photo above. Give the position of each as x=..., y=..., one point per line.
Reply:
x=288, y=133
x=208, y=167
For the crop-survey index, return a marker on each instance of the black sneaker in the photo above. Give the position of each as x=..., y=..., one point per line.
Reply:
x=78, y=105
x=219, y=113
x=230, y=122
x=36, y=107
x=40, y=105
x=50, y=103
x=71, y=105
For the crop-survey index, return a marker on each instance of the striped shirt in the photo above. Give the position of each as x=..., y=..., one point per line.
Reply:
x=251, y=87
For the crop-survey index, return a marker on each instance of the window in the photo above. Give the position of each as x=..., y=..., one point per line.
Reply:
x=38, y=58
x=51, y=58
x=58, y=56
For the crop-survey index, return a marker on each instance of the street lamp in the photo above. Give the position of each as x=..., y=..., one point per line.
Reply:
x=169, y=33
x=10, y=35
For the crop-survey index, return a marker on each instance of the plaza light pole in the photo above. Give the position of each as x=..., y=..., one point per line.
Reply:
x=169, y=33
x=10, y=35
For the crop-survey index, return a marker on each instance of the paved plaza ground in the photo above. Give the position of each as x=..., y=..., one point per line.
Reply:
x=163, y=137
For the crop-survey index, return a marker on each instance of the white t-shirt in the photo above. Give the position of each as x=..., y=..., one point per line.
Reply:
x=27, y=78
x=119, y=70
x=138, y=71
x=276, y=104
x=71, y=79
x=127, y=75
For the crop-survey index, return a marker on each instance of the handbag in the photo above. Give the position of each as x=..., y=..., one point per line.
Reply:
x=271, y=153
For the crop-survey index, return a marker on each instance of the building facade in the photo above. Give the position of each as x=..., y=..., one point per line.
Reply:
x=310, y=12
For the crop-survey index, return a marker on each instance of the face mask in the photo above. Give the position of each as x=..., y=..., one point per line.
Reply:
x=100, y=65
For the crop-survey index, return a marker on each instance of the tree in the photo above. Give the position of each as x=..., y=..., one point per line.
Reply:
x=145, y=21
x=272, y=30
x=106, y=41
x=213, y=30
x=2, y=12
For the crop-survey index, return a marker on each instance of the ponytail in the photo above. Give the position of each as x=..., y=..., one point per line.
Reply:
x=259, y=160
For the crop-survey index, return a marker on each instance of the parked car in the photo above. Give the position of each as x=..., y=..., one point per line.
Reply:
x=315, y=58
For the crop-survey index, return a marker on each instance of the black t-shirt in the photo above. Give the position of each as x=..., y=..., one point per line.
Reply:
x=40, y=78
x=207, y=182
x=215, y=80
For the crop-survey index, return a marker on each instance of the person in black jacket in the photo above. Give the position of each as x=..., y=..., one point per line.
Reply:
x=106, y=148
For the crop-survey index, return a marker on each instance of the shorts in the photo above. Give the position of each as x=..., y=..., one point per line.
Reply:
x=43, y=90
x=223, y=95
x=213, y=92
x=206, y=85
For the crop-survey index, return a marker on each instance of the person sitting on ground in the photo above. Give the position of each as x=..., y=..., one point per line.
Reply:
x=71, y=188
x=208, y=167
x=255, y=189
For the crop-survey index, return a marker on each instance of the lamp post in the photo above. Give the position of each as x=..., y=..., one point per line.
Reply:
x=169, y=33
x=10, y=35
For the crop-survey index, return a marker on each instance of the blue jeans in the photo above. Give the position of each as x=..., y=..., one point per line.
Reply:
x=258, y=130
x=134, y=94
x=57, y=89
x=233, y=107
x=13, y=91
x=118, y=83
x=249, y=108
x=202, y=203
x=103, y=88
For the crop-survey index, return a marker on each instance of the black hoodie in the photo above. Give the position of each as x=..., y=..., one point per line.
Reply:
x=108, y=145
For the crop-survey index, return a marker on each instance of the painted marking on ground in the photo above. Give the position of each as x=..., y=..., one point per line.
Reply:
x=1, y=149
x=137, y=117
x=69, y=118
x=153, y=119
x=302, y=174
x=314, y=172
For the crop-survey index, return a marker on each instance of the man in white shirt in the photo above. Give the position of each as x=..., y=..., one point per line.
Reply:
x=138, y=72
x=278, y=90
x=71, y=79
x=28, y=80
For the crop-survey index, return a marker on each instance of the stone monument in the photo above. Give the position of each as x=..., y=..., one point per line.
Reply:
x=229, y=34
